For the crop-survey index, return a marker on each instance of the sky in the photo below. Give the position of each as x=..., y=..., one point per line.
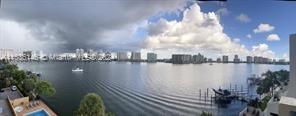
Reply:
x=252, y=27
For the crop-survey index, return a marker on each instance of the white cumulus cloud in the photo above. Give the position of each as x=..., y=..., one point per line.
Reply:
x=243, y=18
x=262, y=50
x=286, y=57
x=273, y=37
x=198, y=31
x=249, y=36
x=222, y=11
x=263, y=27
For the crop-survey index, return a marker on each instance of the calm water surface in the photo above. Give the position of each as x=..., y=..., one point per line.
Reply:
x=143, y=88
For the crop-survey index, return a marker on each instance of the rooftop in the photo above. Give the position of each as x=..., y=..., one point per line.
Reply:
x=4, y=108
x=288, y=101
x=7, y=92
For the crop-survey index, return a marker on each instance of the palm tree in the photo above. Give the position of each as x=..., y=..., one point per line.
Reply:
x=270, y=79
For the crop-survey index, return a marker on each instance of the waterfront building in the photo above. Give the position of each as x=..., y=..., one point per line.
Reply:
x=79, y=54
x=108, y=56
x=219, y=60
x=136, y=57
x=198, y=59
x=151, y=57
x=205, y=60
x=122, y=56
x=181, y=59
x=100, y=55
x=27, y=55
x=236, y=59
x=91, y=54
x=37, y=55
x=260, y=60
x=249, y=59
x=210, y=60
x=7, y=54
x=225, y=59
x=281, y=61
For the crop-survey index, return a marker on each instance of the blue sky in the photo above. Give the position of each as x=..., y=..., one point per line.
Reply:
x=276, y=13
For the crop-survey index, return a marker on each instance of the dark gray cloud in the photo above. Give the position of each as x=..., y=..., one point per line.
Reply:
x=78, y=23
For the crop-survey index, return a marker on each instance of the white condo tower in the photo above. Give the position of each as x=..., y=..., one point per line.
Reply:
x=292, y=82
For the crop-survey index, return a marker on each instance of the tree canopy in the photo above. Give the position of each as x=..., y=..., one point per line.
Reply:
x=27, y=82
x=45, y=88
x=271, y=80
x=91, y=105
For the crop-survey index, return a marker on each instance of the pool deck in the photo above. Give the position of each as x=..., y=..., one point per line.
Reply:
x=41, y=105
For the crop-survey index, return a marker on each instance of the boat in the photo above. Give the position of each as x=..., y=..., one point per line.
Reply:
x=77, y=70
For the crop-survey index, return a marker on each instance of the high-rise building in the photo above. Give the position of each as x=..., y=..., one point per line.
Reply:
x=249, y=59
x=108, y=56
x=256, y=59
x=6, y=54
x=236, y=59
x=27, y=55
x=285, y=104
x=292, y=82
x=79, y=54
x=219, y=60
x=181, y=59
x=225, y=59
x=122, y=56
x=136, y=57
x=151, y=57
x=91, y=54
x=198, y=59
x=37, y=55
x=210, y=60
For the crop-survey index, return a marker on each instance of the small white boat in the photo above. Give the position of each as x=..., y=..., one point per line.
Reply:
x=77, y=70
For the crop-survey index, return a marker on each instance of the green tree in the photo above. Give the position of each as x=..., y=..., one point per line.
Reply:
x=282, y=75
x=91, y=105
x=19, y=76
x=45, y=88
x=29, y=85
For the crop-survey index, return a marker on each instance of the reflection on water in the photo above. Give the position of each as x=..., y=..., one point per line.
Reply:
x=143, y=88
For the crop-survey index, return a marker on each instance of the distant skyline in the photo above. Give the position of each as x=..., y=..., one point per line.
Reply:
x=250, y=27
